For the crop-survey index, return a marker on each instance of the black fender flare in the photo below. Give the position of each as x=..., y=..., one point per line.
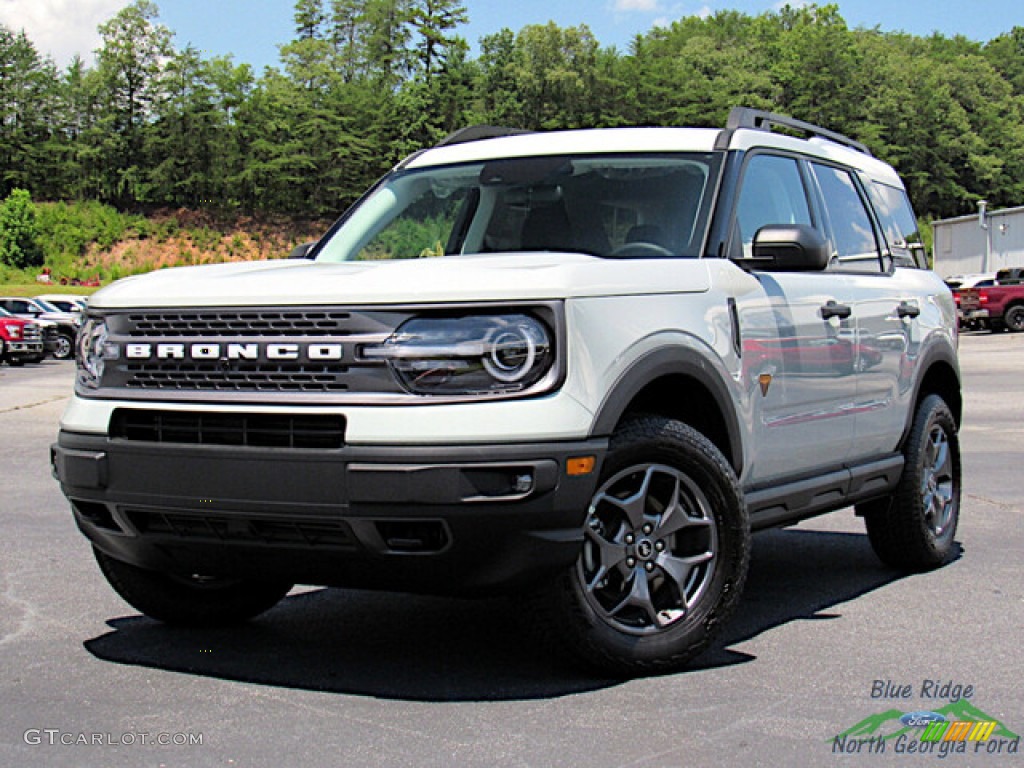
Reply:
x=936, y=353
x=671, y=361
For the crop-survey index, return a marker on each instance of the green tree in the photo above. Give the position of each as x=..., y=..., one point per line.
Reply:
x=542, y=78
x=695, y=70
x=433, y=21
x=19, y=231
x=28, y=86
x=130, y=63
x=1006, y=54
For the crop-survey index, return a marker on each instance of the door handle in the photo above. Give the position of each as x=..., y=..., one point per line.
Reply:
x=906, y=309
x=833, y=309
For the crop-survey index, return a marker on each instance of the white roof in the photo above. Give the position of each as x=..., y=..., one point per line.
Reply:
x=584, y=142
x=626, y=140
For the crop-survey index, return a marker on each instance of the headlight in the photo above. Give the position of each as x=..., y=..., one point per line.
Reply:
x=472, y=355
x=93, y=351
x=14, y=331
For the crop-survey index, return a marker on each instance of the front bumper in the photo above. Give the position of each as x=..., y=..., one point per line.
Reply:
x=24, y=347
x=441, y=519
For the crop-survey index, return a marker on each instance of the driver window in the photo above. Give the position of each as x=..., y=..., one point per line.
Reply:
x=772, y=192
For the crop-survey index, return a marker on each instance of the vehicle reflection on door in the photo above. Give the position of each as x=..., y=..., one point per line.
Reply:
x=831, y=356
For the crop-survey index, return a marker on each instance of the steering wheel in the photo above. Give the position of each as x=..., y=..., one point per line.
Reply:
x=640, y=249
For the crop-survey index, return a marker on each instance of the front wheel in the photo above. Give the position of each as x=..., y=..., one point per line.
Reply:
x=665, y=554
x=914, y=529
x=193, y=601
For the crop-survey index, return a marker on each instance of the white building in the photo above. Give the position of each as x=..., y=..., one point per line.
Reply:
x=983, y=242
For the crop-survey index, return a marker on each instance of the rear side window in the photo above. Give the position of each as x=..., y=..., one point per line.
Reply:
x=853, y=235
x=898, y=224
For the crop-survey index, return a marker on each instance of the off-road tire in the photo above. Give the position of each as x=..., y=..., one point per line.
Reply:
x=670, y=465
x=191, y=602
x=914, y=529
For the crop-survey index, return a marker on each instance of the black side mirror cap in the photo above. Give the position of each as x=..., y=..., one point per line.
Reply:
x=302, y=251
x=789, y=248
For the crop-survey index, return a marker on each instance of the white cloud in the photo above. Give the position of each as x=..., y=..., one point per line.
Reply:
x=643, y=6
x=60, y=28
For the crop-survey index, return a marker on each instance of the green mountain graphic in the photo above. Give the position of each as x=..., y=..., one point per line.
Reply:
x=887, y=725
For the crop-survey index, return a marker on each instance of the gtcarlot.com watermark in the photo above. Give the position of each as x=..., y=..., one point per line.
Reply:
x=53, y=737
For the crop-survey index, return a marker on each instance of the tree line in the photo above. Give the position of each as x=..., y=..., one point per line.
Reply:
x=365, y=82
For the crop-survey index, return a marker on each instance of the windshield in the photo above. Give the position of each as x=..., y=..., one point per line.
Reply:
x=47, y=306
x=625, y=206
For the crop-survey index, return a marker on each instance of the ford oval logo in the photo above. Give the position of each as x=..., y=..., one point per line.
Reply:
x=922, y=718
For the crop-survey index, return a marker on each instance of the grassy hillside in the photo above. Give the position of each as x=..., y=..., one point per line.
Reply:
x=85, y=242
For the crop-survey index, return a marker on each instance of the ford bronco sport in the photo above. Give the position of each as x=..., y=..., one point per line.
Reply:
x=582, y=366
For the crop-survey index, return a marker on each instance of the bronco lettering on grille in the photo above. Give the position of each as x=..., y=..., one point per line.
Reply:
x=234, y=351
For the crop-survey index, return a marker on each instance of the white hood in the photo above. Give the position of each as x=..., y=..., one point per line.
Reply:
x=506, y=278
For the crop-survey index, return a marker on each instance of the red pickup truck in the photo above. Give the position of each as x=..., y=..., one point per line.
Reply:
x=997, y=306
x=21, y=340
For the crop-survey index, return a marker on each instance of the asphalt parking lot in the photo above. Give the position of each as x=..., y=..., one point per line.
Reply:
x=826, y=641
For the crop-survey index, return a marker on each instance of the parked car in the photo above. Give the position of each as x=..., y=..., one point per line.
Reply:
x=67, y=323
x=583, y=366
x=21, y=341
x=1010, y=276
x=996, y=306
x=65, y=302
x=960, y=283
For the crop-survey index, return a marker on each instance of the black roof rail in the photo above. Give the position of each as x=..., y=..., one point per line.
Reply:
x=478, y=133
x=758, y=119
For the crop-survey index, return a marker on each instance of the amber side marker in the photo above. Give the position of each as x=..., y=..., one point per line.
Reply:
x=580, y=465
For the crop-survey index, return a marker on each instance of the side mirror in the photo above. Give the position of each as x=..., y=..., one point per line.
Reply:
x=302, y=251
x=790, y=248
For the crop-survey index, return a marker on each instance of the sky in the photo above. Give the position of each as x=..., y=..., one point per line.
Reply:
x=252, y=30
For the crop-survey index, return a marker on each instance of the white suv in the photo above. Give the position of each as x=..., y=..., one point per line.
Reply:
x=581, y=366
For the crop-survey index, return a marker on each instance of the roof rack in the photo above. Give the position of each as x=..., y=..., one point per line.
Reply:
x=478, y=133
x=758, y=119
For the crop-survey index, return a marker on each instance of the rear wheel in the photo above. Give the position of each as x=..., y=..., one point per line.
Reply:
x=914, y=529
x=665, y=554
x=1014, y=319
x=195, y=601
x=65, y=348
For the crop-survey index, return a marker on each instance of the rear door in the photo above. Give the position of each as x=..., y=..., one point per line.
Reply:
x=884, y=307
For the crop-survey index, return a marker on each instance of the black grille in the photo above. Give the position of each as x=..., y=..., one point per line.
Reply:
x=233, y=323
x=262, y=430
x=247, y=377
x=214, y=527
x=156, y=355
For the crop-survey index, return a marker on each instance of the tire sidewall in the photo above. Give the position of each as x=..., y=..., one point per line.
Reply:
x=65, y=347
x=933, y=412
x=1015, y=319
x=704, y=464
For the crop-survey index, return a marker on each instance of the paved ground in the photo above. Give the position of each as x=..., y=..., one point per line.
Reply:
x=339, y=678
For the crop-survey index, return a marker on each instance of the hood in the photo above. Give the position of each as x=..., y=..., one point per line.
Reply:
x=515, y=277
x=63, y=318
